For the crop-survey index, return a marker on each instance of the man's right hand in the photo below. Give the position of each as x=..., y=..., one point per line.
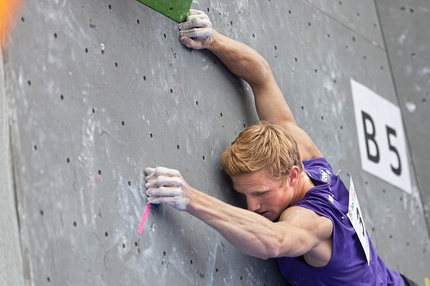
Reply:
x=196, y=32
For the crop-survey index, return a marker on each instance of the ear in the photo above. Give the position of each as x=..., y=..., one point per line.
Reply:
x=294, y=176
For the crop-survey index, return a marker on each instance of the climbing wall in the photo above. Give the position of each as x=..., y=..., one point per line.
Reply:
x=99, y=90
x=407, y=39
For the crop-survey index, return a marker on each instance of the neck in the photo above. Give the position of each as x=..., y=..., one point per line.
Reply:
x=304, y=185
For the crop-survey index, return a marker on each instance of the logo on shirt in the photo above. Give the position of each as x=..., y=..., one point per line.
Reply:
x=325, y=175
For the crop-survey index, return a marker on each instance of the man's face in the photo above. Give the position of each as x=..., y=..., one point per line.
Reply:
x=264, y=195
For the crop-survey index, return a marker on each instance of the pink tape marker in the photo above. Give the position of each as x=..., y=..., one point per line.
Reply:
x=142, y=221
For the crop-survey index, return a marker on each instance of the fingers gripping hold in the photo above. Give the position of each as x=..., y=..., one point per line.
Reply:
x=161, y=171
x=195, y=21
x=196, y=32
x=166, y=186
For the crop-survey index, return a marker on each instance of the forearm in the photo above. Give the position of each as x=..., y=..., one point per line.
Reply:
x=249, y=232
x=239, y=58
x=246, y=63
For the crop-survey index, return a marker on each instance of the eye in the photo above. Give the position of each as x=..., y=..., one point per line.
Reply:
x=261, y=194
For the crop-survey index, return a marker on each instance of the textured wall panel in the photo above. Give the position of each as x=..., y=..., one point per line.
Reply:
x=408, y=39
x=104, y=89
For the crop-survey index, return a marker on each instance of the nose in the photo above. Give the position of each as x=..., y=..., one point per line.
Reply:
x=252, y=203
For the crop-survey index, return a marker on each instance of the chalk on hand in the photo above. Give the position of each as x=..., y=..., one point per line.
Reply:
x=144, y=216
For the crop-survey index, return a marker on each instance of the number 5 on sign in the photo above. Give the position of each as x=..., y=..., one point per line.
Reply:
x=381, y=137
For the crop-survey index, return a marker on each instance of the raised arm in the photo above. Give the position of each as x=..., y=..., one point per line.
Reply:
x=249, y=65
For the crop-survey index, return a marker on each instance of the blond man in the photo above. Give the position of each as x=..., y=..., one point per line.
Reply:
x=296, y=203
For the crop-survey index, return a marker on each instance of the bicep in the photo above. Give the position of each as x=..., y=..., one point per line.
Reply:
x=306, y=145
x=272, y=107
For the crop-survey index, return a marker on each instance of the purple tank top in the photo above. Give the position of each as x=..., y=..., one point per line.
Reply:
x=348, y=264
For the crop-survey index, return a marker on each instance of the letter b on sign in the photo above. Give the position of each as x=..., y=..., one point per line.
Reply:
x=381, y=137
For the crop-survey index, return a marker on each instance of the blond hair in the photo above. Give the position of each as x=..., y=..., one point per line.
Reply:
x=264, y=145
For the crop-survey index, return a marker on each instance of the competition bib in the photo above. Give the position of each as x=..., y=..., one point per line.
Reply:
x=354, y=215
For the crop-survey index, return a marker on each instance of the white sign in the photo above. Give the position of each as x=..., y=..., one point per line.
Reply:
x=381, y=137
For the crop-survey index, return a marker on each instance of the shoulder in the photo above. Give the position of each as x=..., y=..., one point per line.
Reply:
x=308, y=220
x=319, y=169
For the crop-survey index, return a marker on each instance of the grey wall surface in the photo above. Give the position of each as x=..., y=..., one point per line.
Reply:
x=11, y=264
x=405, y=26
x=99, y=90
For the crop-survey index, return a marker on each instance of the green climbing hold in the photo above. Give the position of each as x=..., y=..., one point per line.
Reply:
x=177, y=10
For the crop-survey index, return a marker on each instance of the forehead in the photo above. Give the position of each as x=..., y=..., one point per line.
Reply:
x=255, y=181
